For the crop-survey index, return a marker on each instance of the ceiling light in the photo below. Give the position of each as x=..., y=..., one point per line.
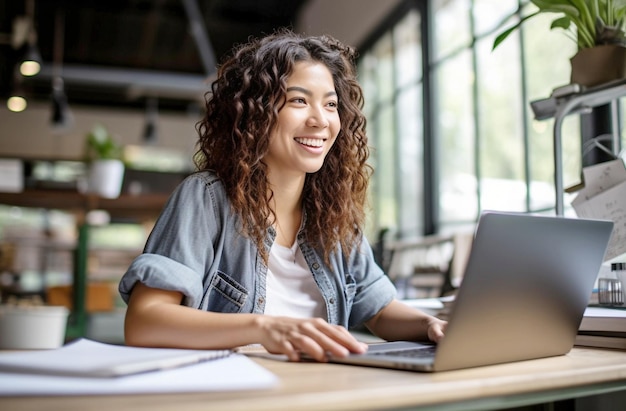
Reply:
x=16, y=103
x=151, y=130
x=32, y=61
x=61, y=115
x=61, y=118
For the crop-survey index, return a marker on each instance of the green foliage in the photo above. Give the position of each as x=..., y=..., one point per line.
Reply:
x=596, y=21
x=101, y=145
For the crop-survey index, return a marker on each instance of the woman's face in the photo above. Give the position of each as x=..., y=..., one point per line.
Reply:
x=308, y=123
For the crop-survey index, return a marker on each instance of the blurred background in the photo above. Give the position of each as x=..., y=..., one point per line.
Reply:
x=449, y=122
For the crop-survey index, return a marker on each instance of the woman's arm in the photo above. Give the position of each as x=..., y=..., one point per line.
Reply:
x=398, y=321
x=155, y=318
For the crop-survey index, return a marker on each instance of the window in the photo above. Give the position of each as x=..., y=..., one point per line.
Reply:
x=391, y=75
x=489, y=151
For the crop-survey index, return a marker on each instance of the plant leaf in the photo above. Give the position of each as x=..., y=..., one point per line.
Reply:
x=502, y=36
x=561, y=23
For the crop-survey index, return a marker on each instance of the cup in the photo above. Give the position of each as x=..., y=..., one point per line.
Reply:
x=32, y=327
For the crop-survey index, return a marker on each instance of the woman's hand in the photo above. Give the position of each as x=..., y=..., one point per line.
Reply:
x=312, y=336
x=436, y=329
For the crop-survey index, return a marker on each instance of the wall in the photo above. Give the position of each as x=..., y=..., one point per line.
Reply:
x=29, y=134
x=350, y=21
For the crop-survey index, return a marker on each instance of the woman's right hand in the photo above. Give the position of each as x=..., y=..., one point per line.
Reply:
x=312, y=336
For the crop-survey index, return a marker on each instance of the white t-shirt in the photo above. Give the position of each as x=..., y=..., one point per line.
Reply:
x=290, y=288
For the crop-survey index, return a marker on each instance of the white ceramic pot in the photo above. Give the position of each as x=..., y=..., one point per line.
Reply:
x=106, y=177
x=32, y=328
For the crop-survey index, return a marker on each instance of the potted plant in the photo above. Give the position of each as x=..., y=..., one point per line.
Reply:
x=106, y=169
x=598, y=28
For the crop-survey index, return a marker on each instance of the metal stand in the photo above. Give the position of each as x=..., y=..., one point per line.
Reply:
x=569, y=100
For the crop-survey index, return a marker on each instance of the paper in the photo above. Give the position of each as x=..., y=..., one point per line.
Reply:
x=604, y=320
x=600, y=177
x=604, y=198
x=233, y=372
x=88, y=358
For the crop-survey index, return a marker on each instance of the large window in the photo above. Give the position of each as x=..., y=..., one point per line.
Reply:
x=487, y=150
x=391, y=76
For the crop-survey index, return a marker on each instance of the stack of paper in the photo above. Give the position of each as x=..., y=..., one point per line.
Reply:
x=89, y=367
x=603, y=327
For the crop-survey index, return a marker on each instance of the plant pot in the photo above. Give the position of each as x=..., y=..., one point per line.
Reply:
x=106, y=177
x=32, y=327
x=598, y=65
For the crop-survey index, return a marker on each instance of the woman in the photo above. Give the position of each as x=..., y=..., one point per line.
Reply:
x=264, y=244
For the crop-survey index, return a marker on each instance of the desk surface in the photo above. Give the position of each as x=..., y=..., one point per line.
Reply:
x=314, y=386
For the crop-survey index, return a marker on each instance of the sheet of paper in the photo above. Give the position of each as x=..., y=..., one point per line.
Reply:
x=235, y=372
x=600, y=177
x=605, y=312
x=609, y=205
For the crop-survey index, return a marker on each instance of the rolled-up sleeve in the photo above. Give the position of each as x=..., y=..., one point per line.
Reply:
x=157, y=271
x=179, y=253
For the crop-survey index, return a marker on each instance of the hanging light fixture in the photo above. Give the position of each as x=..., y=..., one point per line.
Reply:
x=31, y=63
x=61, y=117
x=151, y=129
x=17, y=101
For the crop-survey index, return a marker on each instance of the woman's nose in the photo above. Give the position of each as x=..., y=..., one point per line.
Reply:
x=317, y=118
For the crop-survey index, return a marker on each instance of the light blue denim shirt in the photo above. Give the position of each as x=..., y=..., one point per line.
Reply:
x=196, y=249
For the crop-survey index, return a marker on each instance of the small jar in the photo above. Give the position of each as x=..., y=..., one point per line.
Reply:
x=610, y=289
x=619, y=271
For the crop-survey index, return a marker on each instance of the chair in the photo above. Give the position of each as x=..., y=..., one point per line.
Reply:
x=430, y=266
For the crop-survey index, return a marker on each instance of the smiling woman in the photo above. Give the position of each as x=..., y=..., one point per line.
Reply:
x=264, y=243
x=306, y=127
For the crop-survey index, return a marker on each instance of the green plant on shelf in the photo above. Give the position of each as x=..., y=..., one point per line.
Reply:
x=101, y=145
x=597, y=22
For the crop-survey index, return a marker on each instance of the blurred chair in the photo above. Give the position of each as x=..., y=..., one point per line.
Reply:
x=430, y=266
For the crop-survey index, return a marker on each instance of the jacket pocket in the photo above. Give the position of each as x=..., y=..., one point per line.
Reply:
x=225, y=295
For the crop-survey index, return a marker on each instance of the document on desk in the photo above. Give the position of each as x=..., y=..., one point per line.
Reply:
x=70, y=371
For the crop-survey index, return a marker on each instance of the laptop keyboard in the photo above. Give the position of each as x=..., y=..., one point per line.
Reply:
x=427, y=352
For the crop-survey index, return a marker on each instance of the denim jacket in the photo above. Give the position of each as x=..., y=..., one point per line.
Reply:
x=196, y=249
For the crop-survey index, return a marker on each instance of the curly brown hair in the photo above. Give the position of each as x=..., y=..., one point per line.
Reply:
x=241, y=111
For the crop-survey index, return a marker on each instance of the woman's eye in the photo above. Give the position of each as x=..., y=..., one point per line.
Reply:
x=298, y=100
x=333, y=104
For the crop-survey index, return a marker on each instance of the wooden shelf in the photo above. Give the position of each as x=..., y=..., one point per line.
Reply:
x=141, y=207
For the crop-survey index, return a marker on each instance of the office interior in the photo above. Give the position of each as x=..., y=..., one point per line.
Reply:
x=449, y=121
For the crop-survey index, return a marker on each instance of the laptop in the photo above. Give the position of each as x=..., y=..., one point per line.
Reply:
x=526, y=285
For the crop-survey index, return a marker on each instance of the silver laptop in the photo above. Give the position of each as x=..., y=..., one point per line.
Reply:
x=524, y=292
